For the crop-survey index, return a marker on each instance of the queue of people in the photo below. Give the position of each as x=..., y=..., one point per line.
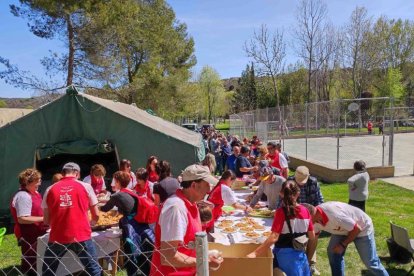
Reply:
x=162, y=213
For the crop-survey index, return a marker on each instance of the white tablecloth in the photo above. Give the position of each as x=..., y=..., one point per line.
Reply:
x=238, y=214
x=106, y=242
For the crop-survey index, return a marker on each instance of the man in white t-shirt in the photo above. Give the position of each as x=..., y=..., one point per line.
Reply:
x=346, y=224
x=178, y=223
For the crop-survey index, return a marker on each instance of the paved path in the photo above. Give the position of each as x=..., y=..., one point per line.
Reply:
x=402, y=181
x=368, y=148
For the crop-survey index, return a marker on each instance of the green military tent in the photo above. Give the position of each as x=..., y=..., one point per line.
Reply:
x=88, y=130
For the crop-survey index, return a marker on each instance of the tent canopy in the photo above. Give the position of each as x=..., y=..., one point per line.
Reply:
x=83, y=124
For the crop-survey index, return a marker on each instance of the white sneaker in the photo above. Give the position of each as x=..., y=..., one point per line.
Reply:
x=314, y=270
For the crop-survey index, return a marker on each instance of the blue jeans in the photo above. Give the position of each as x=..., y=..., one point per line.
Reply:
x=85, y=250
x=366, y=249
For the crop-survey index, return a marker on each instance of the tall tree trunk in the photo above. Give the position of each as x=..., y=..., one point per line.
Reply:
x=71, y=56
x=309, y=78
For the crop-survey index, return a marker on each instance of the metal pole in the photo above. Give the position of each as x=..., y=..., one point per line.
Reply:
x=346, y=113
x=391, y=139
x=201, y=254
x=306, y=131
x=383, y=138
x=337, y=135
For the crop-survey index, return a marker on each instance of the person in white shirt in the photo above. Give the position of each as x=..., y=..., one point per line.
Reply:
x=346, y=224
x=125, y=166
x=178, y=223
x=358, y=186
x=222, y=195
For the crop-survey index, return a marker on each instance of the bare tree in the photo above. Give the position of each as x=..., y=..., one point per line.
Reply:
x=309, y=33
x=268, y=52
x=327, y=57
x=356, y=32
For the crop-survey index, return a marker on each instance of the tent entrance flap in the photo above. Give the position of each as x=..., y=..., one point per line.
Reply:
x=84, y=146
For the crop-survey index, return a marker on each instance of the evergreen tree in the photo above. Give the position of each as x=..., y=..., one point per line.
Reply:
x=245, y=97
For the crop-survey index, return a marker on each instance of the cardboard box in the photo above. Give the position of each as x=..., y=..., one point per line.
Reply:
x=236, y=263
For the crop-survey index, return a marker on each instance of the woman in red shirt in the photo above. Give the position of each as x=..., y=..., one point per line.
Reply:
x=284, y=229
x=28, y=215
x=151, y=169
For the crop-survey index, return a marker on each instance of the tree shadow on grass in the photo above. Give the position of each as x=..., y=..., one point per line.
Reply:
x=10, y=271
x=391, y=272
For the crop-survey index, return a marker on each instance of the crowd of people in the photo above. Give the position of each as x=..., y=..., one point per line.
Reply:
x=162, y=213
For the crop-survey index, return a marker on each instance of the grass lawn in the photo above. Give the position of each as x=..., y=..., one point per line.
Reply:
x=386, y=202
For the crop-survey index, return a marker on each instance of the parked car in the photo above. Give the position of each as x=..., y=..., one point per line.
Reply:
x=193, y=127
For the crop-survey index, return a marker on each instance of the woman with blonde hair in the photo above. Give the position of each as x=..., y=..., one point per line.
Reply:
x=262, y=153
x=27, y=212
x=210, y=162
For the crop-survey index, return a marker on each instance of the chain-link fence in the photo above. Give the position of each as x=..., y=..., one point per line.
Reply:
x=335, y=133
x=107, y=253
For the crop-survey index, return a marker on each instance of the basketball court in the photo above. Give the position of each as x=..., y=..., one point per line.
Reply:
x=368, y=148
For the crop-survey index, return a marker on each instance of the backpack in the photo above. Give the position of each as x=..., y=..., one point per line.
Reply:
x=147, y=211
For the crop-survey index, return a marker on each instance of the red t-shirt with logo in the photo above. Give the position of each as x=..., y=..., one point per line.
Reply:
x=68, y=202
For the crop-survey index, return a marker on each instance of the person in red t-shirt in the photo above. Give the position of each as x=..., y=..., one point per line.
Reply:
x=152, y=169
x=284, y=229
x=369, y=127
x=26, y=210
x=65, y=207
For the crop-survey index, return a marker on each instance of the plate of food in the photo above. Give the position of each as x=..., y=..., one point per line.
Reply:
x=261, y=213
x=229, y=230
x=258, y=227
x=225, y=223
x=252, y=235
x=246, y=229
x=107, y=220
x=248, y=220
x=242, y=224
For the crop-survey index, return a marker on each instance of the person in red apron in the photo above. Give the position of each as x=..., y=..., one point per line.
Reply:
x=222, y=195
x=277, y=160
x=151, y=169
x=125, y=166
x=178, y=222
x=96, y=179
x=27, y=212
x=144, y=187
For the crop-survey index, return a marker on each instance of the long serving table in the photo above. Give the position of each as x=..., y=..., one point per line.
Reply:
x=106, y=242
x=239, y=237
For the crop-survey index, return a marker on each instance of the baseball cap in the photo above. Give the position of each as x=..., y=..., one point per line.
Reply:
x=71, y=166
x=198, y=172
x=301, y=174
x=265, y=173
x=263, y=163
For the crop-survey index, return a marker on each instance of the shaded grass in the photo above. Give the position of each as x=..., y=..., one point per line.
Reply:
x=386, y=203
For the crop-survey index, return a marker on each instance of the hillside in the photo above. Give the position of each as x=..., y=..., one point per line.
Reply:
x=29, y=103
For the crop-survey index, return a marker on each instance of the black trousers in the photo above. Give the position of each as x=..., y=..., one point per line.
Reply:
x=358, y=204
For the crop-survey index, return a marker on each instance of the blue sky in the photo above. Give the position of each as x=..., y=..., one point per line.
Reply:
x=219, y=28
